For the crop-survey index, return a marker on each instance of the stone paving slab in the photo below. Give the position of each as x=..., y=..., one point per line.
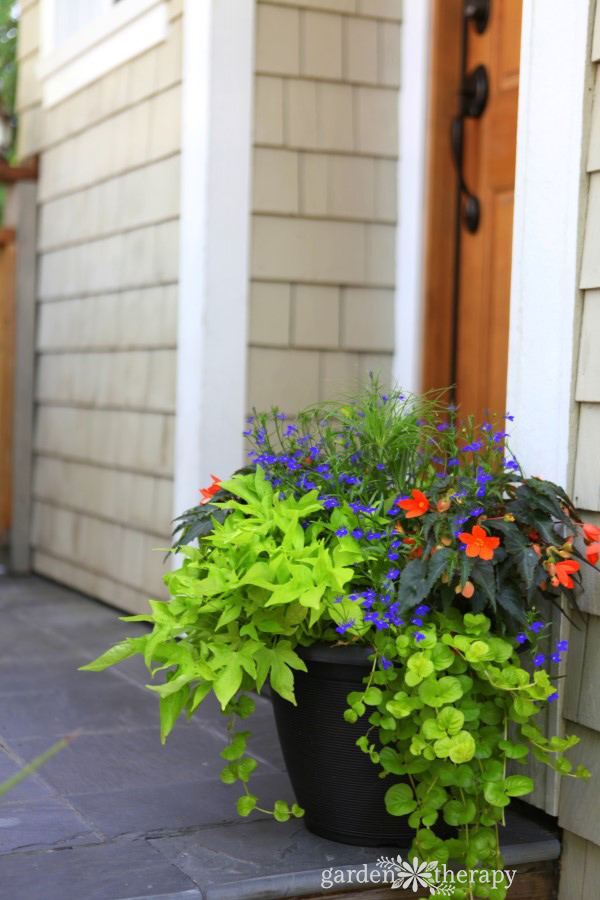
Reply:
x=22, y=641
x=40, y=824
x=107, y=872
x=174, y=807
x=86, y=707
x=128, y=759
x=257, y=860
x=118, y=816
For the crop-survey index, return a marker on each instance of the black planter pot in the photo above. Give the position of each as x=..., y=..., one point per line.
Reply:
x=334, y=781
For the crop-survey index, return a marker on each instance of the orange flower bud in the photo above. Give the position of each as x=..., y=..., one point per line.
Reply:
x=443, y=505
x=468, y=590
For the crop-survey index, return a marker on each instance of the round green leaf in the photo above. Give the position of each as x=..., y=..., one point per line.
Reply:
x=450, y=720
x=246, y=767
x=513, y=751
x=517, y=785
x=420, y=664
x=495, y=795
x=440, y=692
x=391, y=761
x=228, y=776
x=457, y=813
x=399, y=800
x=442, y=656
x=524, y=707
x=246, y=804
x=431, y=731
x=463, y=747
x=478, y=651
x=373, y=696
x=492, y=770
x=281, y=811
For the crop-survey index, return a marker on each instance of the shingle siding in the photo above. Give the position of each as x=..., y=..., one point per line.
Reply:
x=578, y=813
x=324, y=197
x=107, y=318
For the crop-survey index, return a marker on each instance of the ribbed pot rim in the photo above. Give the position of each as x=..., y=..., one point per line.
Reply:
x=342, y=654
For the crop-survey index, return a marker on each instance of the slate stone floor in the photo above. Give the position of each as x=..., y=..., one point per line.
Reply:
x=117, y=816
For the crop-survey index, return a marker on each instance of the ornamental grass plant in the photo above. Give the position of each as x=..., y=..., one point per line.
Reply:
x=388, y=520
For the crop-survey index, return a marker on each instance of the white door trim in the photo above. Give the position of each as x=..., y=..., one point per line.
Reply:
x=412, y=174
x=550, y=200
x=218, y=66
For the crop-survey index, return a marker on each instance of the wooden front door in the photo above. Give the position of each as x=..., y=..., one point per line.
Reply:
x=468, y=273
x=7, y=336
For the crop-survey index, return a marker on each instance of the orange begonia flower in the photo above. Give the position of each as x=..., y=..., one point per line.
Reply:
x=417, y=505
x=592, y=551
x=417, y=552
x=208, y=492
x=592, y=532
x=479, y=543
x=564, y=570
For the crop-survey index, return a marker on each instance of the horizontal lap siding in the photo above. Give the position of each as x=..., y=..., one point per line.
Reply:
x=324, y=197
x=578, y=802
x=107, y=322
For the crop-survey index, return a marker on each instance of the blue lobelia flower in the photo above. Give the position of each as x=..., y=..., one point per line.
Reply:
x=343, y=627
x=341, y=532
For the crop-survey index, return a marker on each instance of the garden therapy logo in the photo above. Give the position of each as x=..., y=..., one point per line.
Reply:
x=416, y=875
x=435, y=877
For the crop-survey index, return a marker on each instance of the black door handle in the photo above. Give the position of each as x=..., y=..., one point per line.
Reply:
x=474, y=98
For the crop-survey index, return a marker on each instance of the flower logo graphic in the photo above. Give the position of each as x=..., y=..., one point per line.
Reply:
x=415, y=876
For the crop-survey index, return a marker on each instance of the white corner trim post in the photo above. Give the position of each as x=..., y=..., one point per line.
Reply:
x=218, y=65
x=21, y=213
x=412, y=174
x=547, y=231
x=550, y=206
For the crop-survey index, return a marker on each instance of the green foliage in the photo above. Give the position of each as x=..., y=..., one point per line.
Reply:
x=447, y=738
x=9, y=24
x=316, y=543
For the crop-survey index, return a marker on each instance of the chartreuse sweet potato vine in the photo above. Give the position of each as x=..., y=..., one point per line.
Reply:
x=387, y=521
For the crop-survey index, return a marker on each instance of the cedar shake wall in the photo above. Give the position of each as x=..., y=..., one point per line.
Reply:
x=324, y=197
x=108, y=202
x=578, y=812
